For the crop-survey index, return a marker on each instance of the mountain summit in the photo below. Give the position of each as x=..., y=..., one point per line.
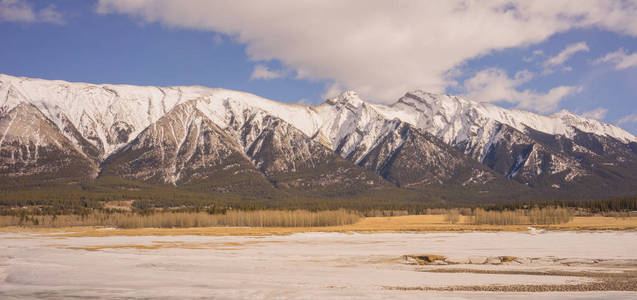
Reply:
x=224, y=141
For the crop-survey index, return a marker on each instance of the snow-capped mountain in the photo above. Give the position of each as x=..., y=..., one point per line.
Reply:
x=222, y=140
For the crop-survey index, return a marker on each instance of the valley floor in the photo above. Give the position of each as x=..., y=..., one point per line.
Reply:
x=313, y=265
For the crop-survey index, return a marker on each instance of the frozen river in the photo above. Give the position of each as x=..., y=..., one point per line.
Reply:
x=306, y=266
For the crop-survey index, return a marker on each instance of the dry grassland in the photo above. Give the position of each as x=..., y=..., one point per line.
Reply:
x=413, y=223
x=260, y=218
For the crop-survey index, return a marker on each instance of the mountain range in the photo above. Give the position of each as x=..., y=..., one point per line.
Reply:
x=227, y=142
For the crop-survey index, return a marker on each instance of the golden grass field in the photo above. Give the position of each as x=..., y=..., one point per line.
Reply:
x=412, y=223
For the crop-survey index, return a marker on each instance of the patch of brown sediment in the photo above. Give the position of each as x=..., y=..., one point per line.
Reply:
x=597, y=274
x=103, y=247
x=167, y=244
x=148, y=247
x=602, y=281
x=434, y=259
x=430, y=259
x=507, y=258
x=627, y=284
x=425, y=259
x=346, y=266
x=413, y=223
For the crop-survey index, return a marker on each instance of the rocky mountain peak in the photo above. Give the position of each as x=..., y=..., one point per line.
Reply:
x=426, y=97
x=350, y=98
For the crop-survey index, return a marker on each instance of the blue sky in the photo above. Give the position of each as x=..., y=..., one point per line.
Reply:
x=542, y=61
x=95, y=48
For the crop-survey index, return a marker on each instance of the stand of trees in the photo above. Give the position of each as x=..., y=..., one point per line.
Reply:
x=84, y=198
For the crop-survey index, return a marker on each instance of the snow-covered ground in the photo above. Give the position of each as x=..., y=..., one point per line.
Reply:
x=307, y=266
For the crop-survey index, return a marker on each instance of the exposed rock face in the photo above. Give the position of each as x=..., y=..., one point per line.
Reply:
x=32, y=146
x=527, y=160
x=185, y=147
x=227, y=141
x=408, y=157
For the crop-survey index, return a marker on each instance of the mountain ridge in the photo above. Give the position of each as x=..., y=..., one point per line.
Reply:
x=421, y=140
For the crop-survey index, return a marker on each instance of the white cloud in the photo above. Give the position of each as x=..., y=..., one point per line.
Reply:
x=16, y=11
x=632, y=118
x=620, y=59
x=534, y=55
x=494, y=85
x=565, y=54
x=263, y=72
x=22, y=11
x=597, y=114
x=50, y=14
x=381, y=48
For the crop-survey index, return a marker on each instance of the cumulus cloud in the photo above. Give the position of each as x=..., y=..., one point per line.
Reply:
x=565, y=54
x=381, y=48
x=597, y=114
x=265, y=73
x=494, y=85
x=632, y=118
x=22, y=11
x=620, y=59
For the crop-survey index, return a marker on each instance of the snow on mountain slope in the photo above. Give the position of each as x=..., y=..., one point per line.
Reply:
x=350, y=126
x=454, y=107
x=185, y=147
x=343, y=124
x=593, y=126
x=302, y=117
x=458, y=120
x=109, y=116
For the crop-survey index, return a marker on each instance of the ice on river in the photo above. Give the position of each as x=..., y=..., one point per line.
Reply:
x=306, y=266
